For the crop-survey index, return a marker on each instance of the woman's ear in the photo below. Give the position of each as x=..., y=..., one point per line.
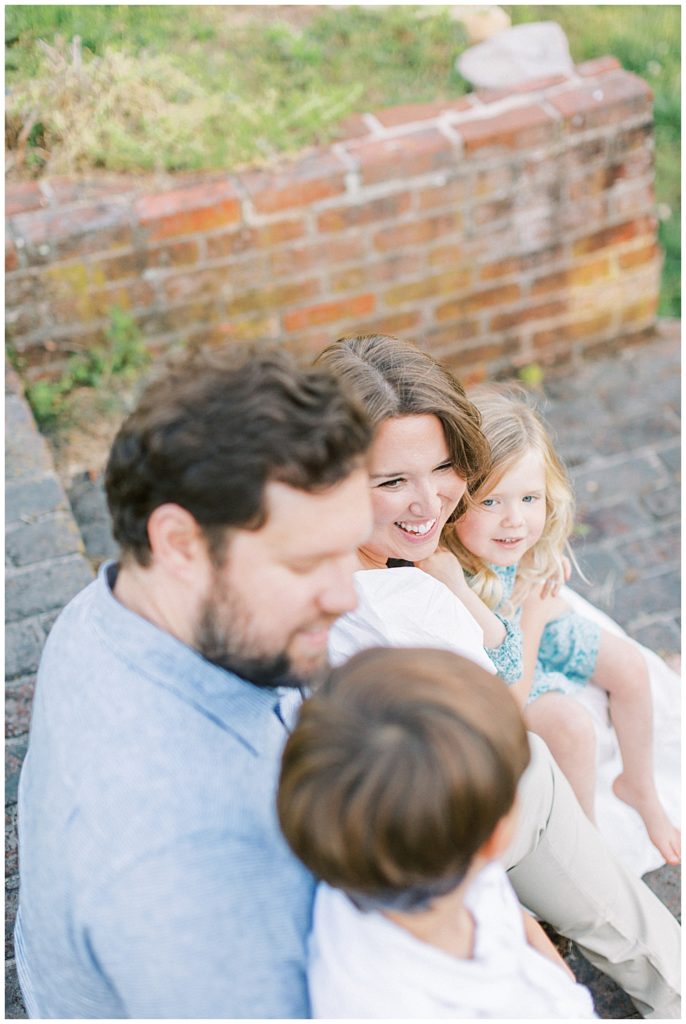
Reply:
x=177, y=542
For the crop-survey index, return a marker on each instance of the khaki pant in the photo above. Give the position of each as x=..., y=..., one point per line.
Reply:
x=562, y=870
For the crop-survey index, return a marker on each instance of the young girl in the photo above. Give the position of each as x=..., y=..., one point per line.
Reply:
x=511, y=542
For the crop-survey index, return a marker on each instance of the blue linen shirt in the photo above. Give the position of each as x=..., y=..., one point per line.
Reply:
x=154, y=879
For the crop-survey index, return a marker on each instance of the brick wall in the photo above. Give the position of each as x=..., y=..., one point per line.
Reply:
x=498, y=229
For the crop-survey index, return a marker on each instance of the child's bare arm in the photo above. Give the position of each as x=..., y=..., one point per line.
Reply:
x=537, y=610
x=538, y=939
x=444, y=566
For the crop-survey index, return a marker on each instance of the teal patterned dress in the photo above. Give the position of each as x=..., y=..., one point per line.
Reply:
x=567, y=654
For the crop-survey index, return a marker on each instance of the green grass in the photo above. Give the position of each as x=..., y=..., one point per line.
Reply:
x=207, y=87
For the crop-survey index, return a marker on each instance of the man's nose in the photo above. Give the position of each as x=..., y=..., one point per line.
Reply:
x=338, y=595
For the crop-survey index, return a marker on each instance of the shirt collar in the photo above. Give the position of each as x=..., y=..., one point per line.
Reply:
x=236, y=704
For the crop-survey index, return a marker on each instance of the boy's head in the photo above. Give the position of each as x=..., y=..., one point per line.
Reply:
x=397, y=773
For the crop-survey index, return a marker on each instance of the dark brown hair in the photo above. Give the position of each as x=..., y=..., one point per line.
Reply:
x=216, y=428
x=395, y=378
x=397, y=772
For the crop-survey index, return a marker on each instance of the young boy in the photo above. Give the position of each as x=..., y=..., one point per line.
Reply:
x=398, y=791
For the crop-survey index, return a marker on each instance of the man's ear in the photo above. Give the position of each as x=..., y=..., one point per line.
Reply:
x=501, y=836
x=176, y=540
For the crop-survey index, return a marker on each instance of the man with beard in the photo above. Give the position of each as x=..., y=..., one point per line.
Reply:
x=154, y=879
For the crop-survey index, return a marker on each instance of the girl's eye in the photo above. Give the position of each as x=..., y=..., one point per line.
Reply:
x=391, y=483
x=488, y=502
x=529, y=498
x=444, y=467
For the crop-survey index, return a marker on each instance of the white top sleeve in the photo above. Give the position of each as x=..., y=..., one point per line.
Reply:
x=406, y=607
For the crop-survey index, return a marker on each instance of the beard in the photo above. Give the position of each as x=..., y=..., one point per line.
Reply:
x=237, y=649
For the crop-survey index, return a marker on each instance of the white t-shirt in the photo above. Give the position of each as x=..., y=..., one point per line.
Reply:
x=365, y=965
x=406, y=607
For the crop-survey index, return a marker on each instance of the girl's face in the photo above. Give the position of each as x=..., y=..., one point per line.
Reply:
x=415, y=487
x=508, y=520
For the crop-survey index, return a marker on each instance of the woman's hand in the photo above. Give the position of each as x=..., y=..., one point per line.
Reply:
x=552, y=585
x=444, y=567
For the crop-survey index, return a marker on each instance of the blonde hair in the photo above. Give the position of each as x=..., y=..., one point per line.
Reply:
x=513, y=427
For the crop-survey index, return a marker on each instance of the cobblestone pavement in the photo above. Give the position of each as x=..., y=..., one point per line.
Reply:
x=617, y=422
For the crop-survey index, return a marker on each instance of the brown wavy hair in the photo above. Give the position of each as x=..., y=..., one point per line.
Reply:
x=395, y=378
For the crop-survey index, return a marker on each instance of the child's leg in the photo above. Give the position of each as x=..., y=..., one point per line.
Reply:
x=567, y=729
x=622, y=671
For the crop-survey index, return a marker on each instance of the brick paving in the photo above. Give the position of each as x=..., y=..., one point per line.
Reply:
x=617, y=423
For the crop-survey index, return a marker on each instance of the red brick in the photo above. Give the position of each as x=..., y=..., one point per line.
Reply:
x=445, y=255
x=352, y=127
x=454, y=191
x=23, y=287
x=23, y=196
x=206, y=283
x=296, y=259
x=478, y=300
x=638, y=257
x=486, y=213
x=599, y=66
x=417, y=231
x=504, y=321
x=129, y=264
x=443, y=338
x=403, y=156
x=515, y=129
x=83, y=229
x=393, y=116
x=613, y=235
x=463, y=359
x=177, y=320
x=495, y=179
x=168, y=204
x=251, y=329
x=440, y=284
x=329, y=312
x=519, y=264
x=395, y=324
x=298, y=184
x=645, y=310
x=368, y=274
x=586, y=273
x=275, y=234
x=593, y=105
x=11, y=258
x=273, y=298
x=632, y=199
x=578, y=329
x=191, y=222
x=63, y=190
x=341, y=217
x=174, y=255
x=534, y=85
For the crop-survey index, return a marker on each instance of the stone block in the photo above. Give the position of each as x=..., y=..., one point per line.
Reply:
x=18, y=701
x=11, y=904
x=14, y=1004
x=42, y=588
x=48, y=538
x=619, y=519
x=635, y=600
x=15, y=752
x=23, y=645
x=663, y=502
x=26, y=454
x=658, y=547
x=26, y=499
x=663, y=637
x=603, y=481
x=11, y=842
x=671, y=456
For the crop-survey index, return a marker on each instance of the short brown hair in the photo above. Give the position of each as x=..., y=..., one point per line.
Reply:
x=397, y=772
x=216, y=427
x=395, y=378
